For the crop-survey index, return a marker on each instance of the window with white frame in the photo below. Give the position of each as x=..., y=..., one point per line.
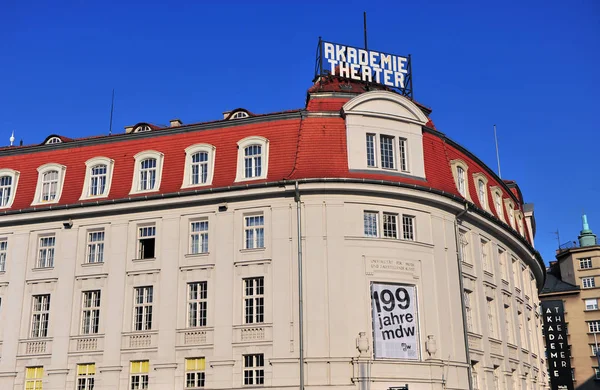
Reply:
x=596, y=372
x=588, y=282
x=53, y=140
x=463, y=246
x=254, y=369
x=9, y=179
x=595, y=349
x=3, y=253
x=239, y=115
x=90, y=312
x=45, y=257
x=498, y=203
x=40, y=315
x=502, y=263
x=50, y=183
x=408, y=227
x=591, y=304
x=371, y=150
x=95, y=246
x=142, y=310
x=86, y=375
x=593, y=326
x=511, y=212
x=146, y=242
x=383, y=151
x=254, y=300
x=98, y=177
x=485, y=255
x=199, y=236
x=195, y=373
x=460, y=173
x=469, y=310
x=491, y=309
x=390, y=225
x=253, y=158
x=510, y=335
x=254, y=231
x=402, y=156
x=520, y=223
x=197, y=304
x=33, y=378
x=585, y=263
x=386, y=143
x=481, y=193
x=199, y=165
x=148, y=171
x=139, y=374
x=370, y=223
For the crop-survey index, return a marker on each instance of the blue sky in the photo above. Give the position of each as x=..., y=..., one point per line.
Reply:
x=529, y=67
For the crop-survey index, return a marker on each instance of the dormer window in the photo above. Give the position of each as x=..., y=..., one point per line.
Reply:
x=142, y=128
x=459, y=171
x=497, y=195
x=148, y=171
x=51, y=178
x=481, y=185
x=239, y=115
x=520, y=223
x=53, y=140
x=98, y=177
x=253, y=158
x=8, y=187
x=199, y=165
x=510, y=206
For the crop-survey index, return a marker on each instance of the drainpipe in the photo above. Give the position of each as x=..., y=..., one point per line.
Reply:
x=462, y=293
x=300, y=296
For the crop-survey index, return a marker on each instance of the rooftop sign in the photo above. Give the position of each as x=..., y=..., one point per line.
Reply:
x=364, y=65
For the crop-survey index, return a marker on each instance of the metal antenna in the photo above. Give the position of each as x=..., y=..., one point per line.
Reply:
x=112, y=106
x=557, y=237
x=497, y=154
x=365, y=27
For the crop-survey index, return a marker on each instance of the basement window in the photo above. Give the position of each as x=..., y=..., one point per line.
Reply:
x=146, y=242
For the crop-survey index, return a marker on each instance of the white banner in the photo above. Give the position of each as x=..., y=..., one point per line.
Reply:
x=395, y=324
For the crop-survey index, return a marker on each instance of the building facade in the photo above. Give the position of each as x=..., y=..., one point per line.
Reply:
x=573, y=279
x=167, y=257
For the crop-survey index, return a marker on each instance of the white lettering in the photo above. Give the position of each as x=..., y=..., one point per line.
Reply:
x=351, y=55
x=363, y=57
x=329, y=50
x=354, y=72
x=399, y=80
x=373, y=59
x=366, y=74
x=377, y=73
x=386, y=61
x=333, y=63
x=344, y=69
x=387, y=78
x=402, y=65
x=340, y=53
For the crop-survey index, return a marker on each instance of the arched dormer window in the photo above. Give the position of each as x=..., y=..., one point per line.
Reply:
x=199, y=165
x=510, y=207
x=239, y=115
x=520, y=223
x=481, y=183
x=98, y=177
x=8, y=187
x=253, y=158
x=497, y=196
x=53, y=140
x=147, y=172
x=142, y=128
x=51, y=178
x=459, y=171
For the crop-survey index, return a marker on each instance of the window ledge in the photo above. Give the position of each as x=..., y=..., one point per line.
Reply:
x=95, y=264
x=243, y=179
x=591, y=309
x=250, y=250
x=143, y=192
x=38, y=269
x=196, y=255
x=93, y=197
x=488, y=273
x=143, y=260
x=190, y=186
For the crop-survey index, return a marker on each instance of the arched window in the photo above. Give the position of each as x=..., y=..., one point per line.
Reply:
x=239, y=115
x=148, y=171
x=459, y=172
x=199, y=168
x=98, y=177
x=253, y=158
x=142, y=128
x=50, y=183
x=497, y=195
x=460, y=177
x=481, y=183
x=53, y=140
x=481, y=192
x=5, y=190
x=49, y=186
x=199, y=165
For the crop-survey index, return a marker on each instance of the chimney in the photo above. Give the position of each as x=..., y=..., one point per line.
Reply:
x=128, y=129
x=226, y=114
x=175, y=122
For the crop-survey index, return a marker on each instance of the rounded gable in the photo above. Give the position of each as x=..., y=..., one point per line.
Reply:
x=385, y=104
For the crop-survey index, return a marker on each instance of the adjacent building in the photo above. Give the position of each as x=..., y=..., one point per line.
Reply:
x=166, y=257
x=574, y=278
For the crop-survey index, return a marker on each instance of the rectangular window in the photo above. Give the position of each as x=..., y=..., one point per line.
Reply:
x=147, y=174
x=463, y=246
x=3, y=251
x=371, y=150
x=90, y=316
x=585, y=263
x=594, y=326
x=502, y=261
x=521, y=330
x=596, y=373
x=594, y=349
x=95, y=246
x=197, y=303
x=588, y=282
x=46, y=252
x=146, y=242
x=199, y=237
x=485, y=258
x=591, y=304
x=254, y=300
x=194, y=373
x=408, y=227
x=33, y=378
x=370, y=223
x=516, y=274
x=460, y=173
x=97, y=180
x=139, y=374
x=491, y=308
x=254, y=369
x=40, y=315
x=254, y=231
x=387, y=151
x=508, y=322
x=142, y=315
x=474, y=375
x=469, y=310
x=402, y=157
x=199, y=168
x=390, y=225
x=85, y=376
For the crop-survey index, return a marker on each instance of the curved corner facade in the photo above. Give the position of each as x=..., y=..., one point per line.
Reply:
x=418, y=261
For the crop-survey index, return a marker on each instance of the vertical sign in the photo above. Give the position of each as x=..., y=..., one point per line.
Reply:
x=394, y=317
x=557, y=347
